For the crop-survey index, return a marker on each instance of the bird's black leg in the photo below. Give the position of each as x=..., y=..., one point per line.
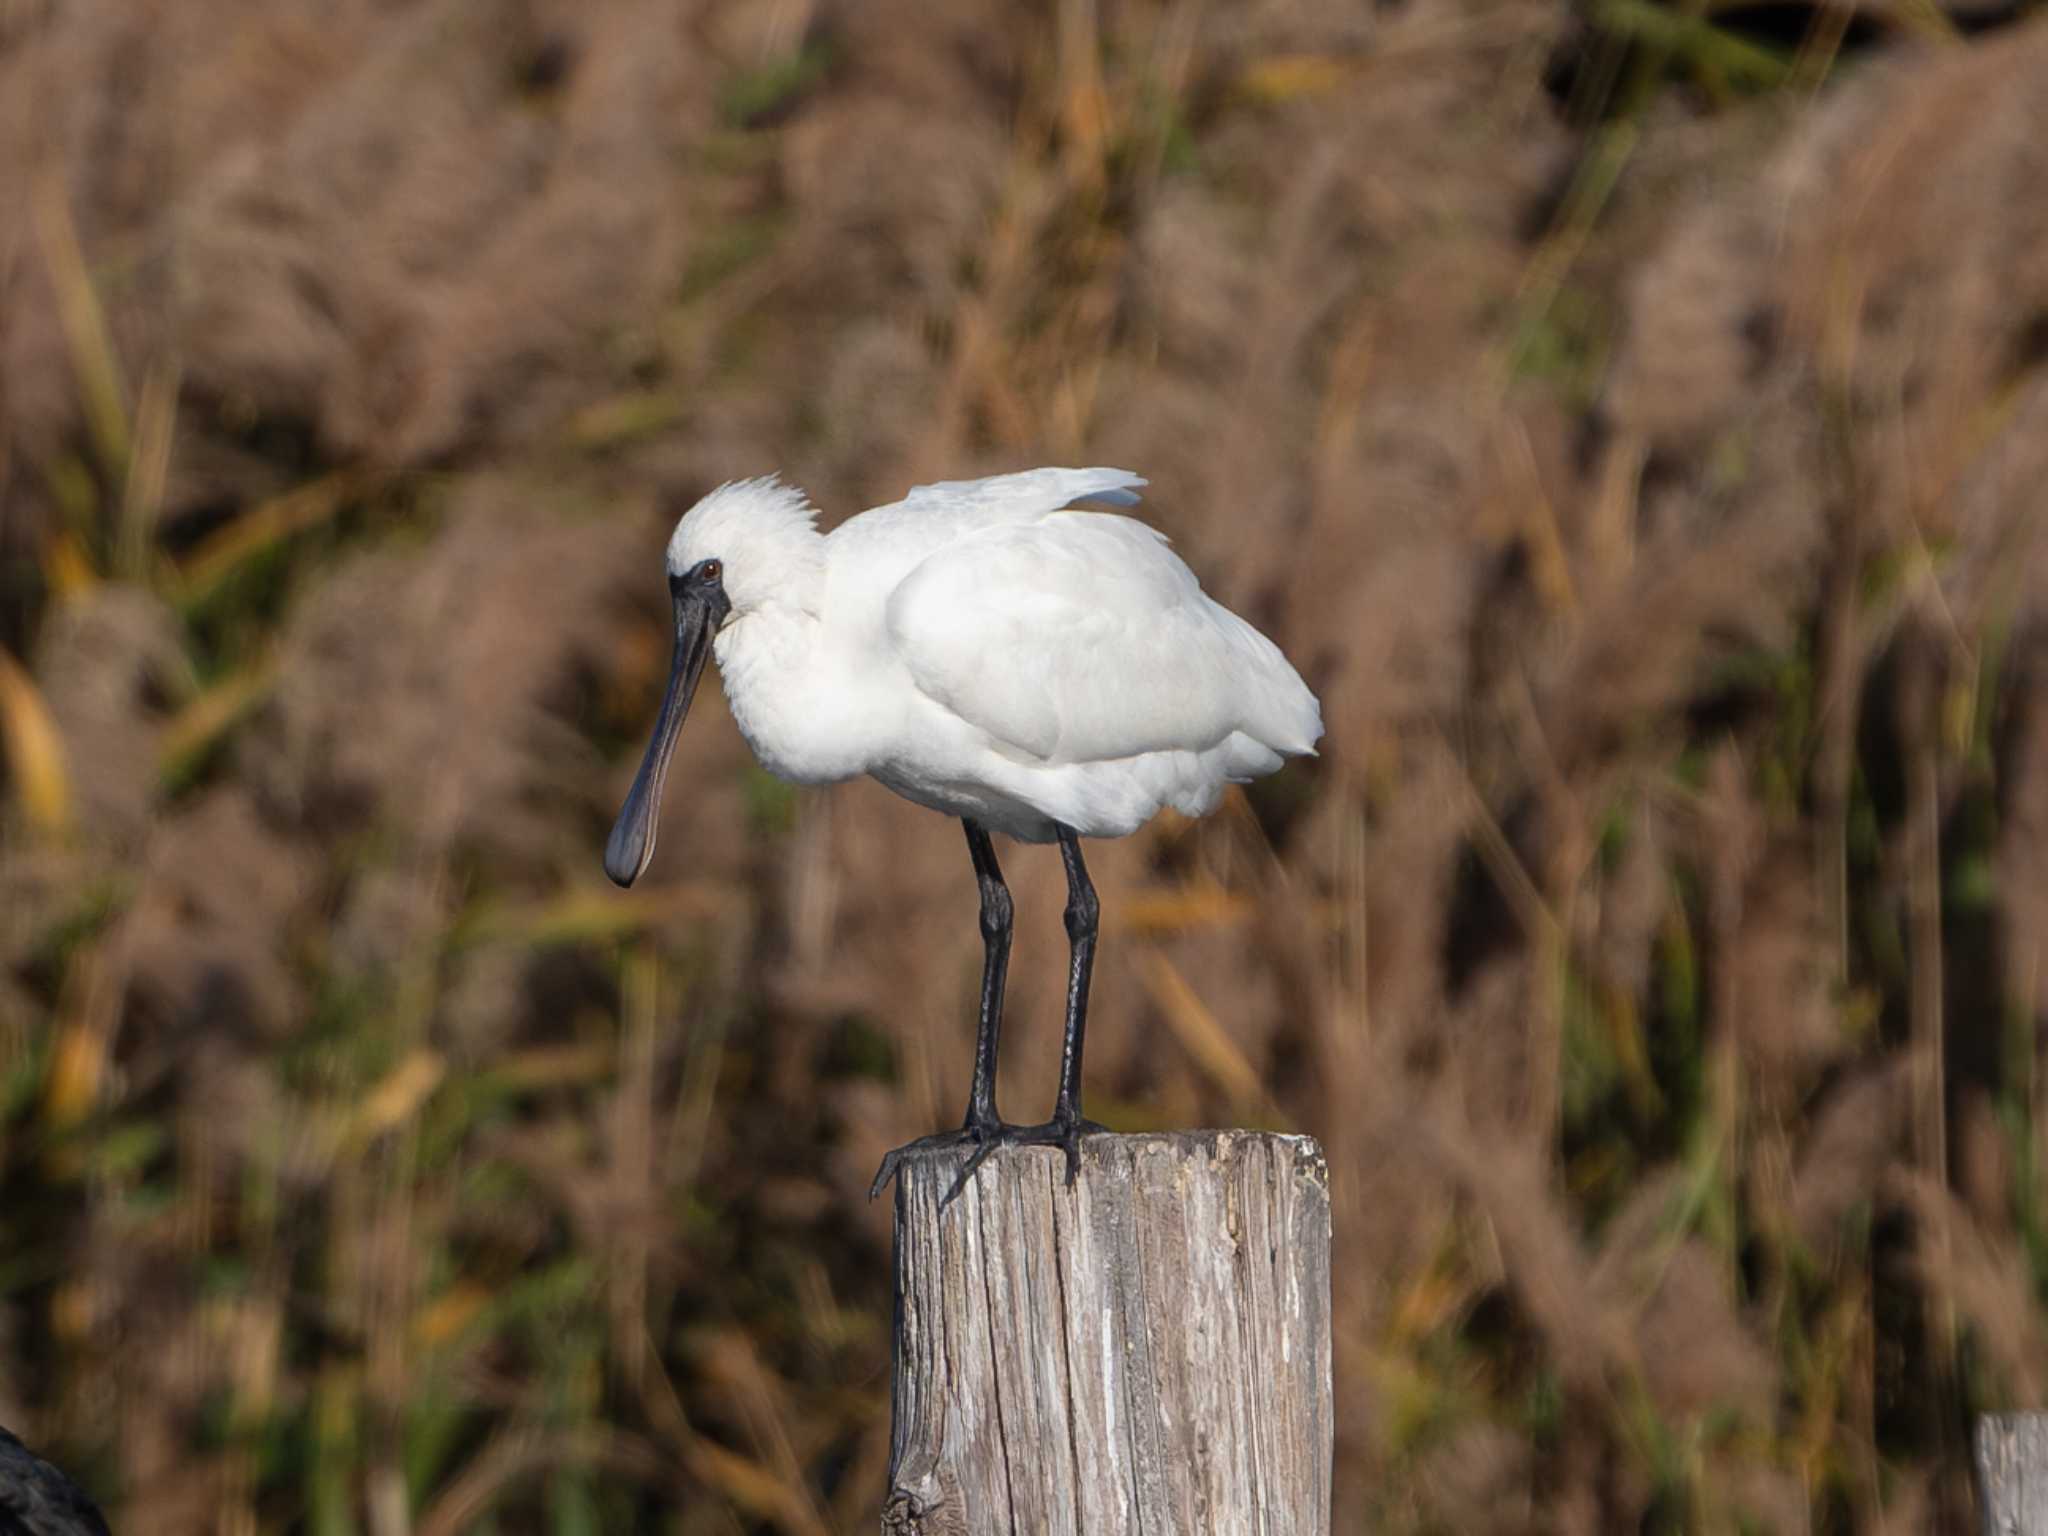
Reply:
x=984, y=1130
x=1066, y=1127
x=995, y=967
x=983, y=1125
x=1083, y=916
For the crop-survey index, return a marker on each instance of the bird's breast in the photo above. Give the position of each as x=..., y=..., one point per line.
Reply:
x=792, y=702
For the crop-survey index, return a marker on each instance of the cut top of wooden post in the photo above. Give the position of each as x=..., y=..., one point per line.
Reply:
x=1148, y=1351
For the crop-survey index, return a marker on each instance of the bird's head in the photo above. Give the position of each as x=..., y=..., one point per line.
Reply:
x=761, y=534
x=748, y=544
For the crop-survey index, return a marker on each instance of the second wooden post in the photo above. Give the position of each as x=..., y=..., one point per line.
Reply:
x=1149, y=1350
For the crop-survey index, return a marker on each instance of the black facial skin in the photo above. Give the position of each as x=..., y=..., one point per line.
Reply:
x=701, y=606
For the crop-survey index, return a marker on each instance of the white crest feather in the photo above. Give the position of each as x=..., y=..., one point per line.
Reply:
x=740, y=516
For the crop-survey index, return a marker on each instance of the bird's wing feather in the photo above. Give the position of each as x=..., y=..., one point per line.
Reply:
x=1081, y=637
x=1026, y=494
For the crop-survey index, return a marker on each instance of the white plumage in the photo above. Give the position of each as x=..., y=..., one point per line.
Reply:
x=984, y=651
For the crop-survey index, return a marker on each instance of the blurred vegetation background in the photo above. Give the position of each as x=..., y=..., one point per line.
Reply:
x=1632, y=416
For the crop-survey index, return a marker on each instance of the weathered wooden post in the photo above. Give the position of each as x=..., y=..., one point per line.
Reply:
x=2012, y=1473
x=1147, y=1351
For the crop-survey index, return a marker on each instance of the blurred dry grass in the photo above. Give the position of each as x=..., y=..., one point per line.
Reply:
x=1634, y=418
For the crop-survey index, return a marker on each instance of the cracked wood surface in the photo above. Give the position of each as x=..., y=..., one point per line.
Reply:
x=1146, y=1352
x=2012, y=1473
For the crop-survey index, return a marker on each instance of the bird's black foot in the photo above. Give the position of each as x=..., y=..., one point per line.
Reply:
x=1065, y=1134
x=984, y=1136
x=984, y=1139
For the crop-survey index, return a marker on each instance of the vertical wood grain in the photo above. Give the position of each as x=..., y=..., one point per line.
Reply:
x=2012, y=1473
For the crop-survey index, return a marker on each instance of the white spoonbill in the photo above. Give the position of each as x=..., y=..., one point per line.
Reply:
x=984, y=650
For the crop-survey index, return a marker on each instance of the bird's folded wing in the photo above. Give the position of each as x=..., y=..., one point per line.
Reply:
x=1081, y=637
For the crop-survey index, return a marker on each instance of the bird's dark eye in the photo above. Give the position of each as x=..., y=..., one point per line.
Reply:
x=710, y=570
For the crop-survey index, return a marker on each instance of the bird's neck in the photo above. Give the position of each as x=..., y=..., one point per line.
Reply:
x=757, y=647
x=769, y=665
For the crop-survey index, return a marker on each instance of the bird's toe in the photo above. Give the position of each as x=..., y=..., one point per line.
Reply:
x=983, y=1135
x=981, y=1139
